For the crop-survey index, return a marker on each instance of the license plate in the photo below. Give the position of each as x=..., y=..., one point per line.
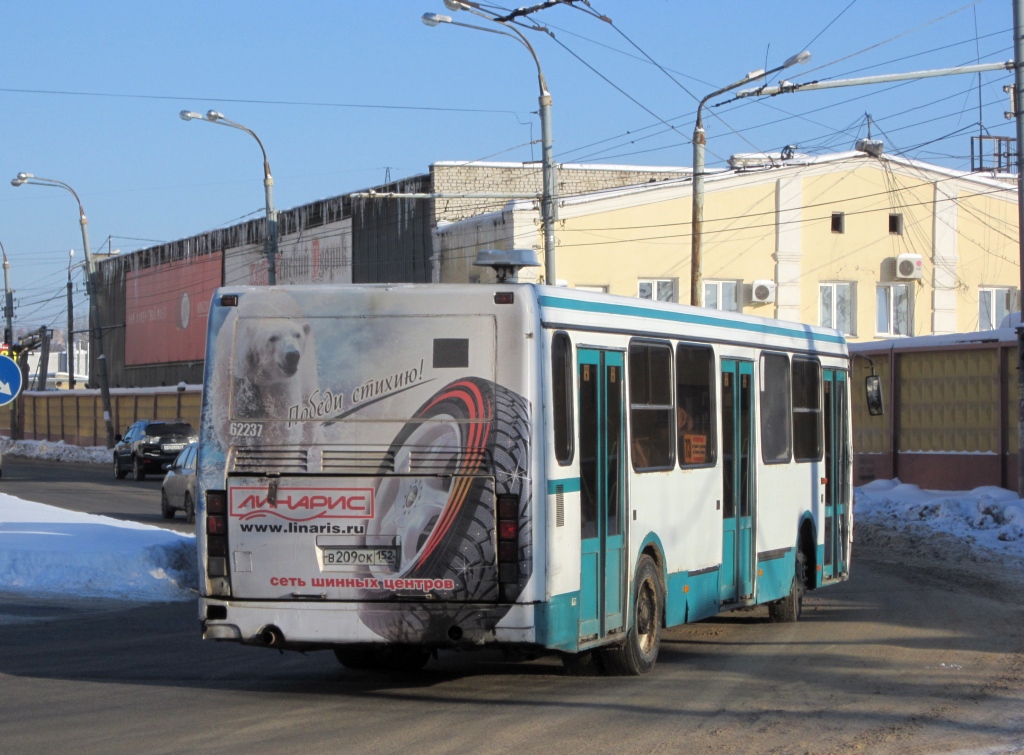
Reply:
x=172, y=446
x=357, y=555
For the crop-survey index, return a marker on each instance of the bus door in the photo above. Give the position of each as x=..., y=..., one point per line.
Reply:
x=736, y=576
x=837, y=459
x=602, y=440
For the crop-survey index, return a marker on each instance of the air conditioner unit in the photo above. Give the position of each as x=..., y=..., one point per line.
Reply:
x=909, y=266
x=762, y=291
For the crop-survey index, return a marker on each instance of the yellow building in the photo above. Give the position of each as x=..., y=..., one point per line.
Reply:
x=874, y=246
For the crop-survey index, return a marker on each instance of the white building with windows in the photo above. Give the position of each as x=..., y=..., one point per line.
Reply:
x=876, y=247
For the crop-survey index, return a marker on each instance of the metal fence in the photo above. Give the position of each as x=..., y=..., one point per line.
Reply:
x=76, y=417
x=950, y=420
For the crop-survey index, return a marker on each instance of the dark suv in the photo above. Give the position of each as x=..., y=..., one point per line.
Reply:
x=149, y=444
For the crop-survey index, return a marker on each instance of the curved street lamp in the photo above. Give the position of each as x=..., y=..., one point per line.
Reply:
x=212, y=116
x=699, y=142
x=549, y=196
x=93, y=290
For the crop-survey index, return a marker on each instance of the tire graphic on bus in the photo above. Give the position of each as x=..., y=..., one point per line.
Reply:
x=448, y=470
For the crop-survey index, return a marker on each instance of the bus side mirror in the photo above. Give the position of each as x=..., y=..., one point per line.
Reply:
x=873, y=389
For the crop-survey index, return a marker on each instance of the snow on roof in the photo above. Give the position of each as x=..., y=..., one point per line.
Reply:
x=999, y=335
x=565, y=166
x=799, y=161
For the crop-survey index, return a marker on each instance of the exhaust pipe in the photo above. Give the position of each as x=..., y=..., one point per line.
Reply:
x=271, y=636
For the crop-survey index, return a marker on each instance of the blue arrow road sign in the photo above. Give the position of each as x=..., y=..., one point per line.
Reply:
x=10, y=380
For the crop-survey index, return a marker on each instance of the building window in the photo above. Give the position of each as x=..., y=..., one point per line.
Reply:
x=695, y=411
x=776, y=413
x=893, y=308
x=993, y=305
x=650, y=400
x=724, y=295
x=562, y=398
x=838, y=222
x=806, y=410
x=896, y=223
x=657, y=289
x=836, y=307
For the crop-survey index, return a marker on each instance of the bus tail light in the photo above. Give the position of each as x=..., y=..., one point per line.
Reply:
x=508, y=543
x=217, y=542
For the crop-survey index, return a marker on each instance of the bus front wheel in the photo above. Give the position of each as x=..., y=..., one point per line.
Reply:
x=640, y=651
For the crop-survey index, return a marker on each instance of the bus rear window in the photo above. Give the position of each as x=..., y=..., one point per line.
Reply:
x=561, y=396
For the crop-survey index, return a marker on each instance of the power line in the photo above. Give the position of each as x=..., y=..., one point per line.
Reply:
x=235, y=100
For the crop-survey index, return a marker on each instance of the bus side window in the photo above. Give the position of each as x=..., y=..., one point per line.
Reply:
x=650, y=398
x=807, y=431
x=695, y=411
x=561, y=397
x=776, y=416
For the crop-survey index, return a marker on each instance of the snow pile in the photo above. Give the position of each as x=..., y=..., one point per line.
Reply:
x=45, y=550
x=986, y=517
x=55, y=451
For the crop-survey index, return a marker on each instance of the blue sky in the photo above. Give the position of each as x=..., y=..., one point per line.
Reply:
x=342, y=92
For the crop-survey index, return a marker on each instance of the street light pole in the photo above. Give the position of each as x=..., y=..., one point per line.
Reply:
x=699, y=143
x=71, y=328
x=93, y=290
x=549, y=169
x=271, y=241
x=1015, y=65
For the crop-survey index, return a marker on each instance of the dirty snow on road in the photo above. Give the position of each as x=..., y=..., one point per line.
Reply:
x=988, y=517
x=46, y=550
x=54, y=451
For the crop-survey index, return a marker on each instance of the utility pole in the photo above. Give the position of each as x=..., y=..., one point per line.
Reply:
x=71, y=328
x=9, y=335
x=43, y=369
x=1018, y=97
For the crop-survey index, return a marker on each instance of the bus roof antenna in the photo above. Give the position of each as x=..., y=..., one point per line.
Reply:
x=506, y=264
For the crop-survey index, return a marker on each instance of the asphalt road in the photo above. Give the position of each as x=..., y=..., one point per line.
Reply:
x=921, y=652
x=87, y=487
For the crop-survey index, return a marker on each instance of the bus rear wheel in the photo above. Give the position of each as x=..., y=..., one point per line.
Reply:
x=788, y=609
x=586, y=663
x=402, y=658
x=397, y=658
x=640, y=651
x=356, y=657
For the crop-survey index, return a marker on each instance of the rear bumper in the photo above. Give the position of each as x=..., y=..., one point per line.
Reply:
x=152, y=460
x=310, y=624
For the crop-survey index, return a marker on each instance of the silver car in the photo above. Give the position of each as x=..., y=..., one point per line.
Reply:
x=179, y=488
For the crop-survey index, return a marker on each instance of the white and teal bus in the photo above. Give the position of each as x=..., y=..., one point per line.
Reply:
x=388, y=470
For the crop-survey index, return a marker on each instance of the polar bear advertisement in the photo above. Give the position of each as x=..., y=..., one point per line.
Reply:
x=273, y=367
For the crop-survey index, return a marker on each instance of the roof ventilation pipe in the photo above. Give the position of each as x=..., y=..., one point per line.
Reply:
x=506, y=264
x=873, y=147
